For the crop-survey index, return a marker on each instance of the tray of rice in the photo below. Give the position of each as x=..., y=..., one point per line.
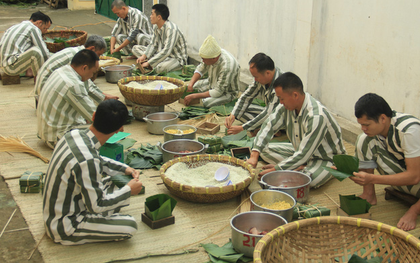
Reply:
x=57, y=40
x=151, y=90
x=192, y=178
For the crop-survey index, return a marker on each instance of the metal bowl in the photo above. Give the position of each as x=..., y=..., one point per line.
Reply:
x=261, y=197
x=292, y=182
x=116, y=72
x=242, y=241
x=173, y=149
x=169, y=136
x=159, y=120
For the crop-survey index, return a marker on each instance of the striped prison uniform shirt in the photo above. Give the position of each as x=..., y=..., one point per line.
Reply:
x=223, y=75
x=19, y=38
x=244, y=103
x=315, y=138
x=167, y=42
x=64, y=103
x=388, y=154
x=58, y=60
x=135, y=23
x=78, y=205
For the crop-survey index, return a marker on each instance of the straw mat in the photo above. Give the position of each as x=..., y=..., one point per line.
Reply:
x=193, y=221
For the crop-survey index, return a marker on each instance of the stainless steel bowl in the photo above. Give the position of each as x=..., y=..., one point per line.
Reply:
x=173, y=149
x=181, y=127
x=292, y=182
x=116, y=72
x=261, y=197
x=242, y=241
x=159, y=120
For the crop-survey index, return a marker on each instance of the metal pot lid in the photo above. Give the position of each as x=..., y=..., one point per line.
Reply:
x=117, y=68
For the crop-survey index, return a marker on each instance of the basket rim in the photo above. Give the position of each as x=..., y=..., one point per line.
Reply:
x=59, y=31
x=180, y=89
x=109, y=58
x=196, y=189
x=343, y=220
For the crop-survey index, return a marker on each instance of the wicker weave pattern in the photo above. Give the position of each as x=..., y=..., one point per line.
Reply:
x=330, y=238
x=151, y=97
x=206, y=194
x=55, y=47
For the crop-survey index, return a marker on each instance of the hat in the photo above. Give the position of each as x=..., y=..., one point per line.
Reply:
x=210, y=48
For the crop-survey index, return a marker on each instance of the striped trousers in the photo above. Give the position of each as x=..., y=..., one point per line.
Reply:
x=386, y=162
x=203, y=86
x=31, y=58
x=274, y=153
x=167, y=65
x=110, y=226
x=252, y=112
x=141, y=39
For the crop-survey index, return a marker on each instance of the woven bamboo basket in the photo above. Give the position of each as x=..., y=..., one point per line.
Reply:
x=206, y=194
x=336, y=239
x=151, y=97
x=55, y=47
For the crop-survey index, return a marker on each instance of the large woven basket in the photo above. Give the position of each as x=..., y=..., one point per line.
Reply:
x=55, y=47
x=151, y=97
x=206, y=194
x=336, y=239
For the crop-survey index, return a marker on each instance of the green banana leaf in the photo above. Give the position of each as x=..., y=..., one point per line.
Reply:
x=345, y=164
x=234, y=137
x=356, y=259
x=224, y=254
x=224, y=110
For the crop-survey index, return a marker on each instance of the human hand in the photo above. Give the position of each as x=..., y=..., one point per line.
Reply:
x=300, y=168
x=133, y=172
x=135, y=186
x=234, y=130
x=145, y=65
x=229, y=120
x=188, y=99
x=253, y=159
x=362, y=178
x=190, y=87
x=266, y=171
x=109, y=96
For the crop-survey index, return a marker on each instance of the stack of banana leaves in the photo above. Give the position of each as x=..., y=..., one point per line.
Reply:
x=145, y=157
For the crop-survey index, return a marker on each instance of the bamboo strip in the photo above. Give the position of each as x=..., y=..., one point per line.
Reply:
x=8, y=221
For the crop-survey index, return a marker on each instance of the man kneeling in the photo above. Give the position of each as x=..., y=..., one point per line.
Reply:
x=81, y=203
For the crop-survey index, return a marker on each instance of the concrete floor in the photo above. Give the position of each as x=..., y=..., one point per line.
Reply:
x=16, y=246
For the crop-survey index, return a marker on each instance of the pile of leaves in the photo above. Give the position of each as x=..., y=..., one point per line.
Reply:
x=60, y=40
x=225, y=253
x=145, y=157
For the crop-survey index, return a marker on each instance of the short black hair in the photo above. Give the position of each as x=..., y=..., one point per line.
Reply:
x=85, y=57
x=96, y=41
x=289, y=81
x=262, y=62
x=161, y=10
x=372, y=105
x=110, y=116
x=40, y=16
x=118, y=4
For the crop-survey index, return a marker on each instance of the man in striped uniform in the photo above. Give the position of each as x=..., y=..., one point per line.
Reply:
x=168, y=49
x=132, y=28
x=314, y=134
x=391, y=144
x=22, y=48
x=95, y=43
x=222, y=85
x=264, y=72
x=66, y=100
x=81, y=204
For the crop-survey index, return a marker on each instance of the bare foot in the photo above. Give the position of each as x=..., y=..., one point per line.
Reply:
x=278, y=134
x=268, y=166
x=408, y=220
x=370, y=198
x=29, y=73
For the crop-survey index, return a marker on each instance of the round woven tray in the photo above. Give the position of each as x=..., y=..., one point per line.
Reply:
x=55, y=47
x=206, y=194
x=336, y=239
x=151, y=97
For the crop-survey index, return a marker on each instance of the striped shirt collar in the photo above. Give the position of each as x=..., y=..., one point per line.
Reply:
x=93, y=139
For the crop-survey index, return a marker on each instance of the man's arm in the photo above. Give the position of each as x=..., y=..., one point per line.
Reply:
x=409, y=177
x=36, y=36
x=79, y=99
